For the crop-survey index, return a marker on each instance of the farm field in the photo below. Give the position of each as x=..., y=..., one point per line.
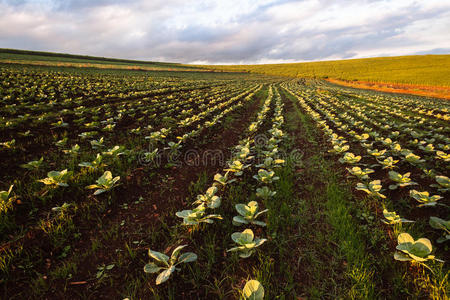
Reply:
x=188, y=184
x=425, y=75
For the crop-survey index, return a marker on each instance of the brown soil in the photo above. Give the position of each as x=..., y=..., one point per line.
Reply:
x=421, y=90
x=163, y=194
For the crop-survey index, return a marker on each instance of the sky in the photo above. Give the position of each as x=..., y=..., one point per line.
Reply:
x=227, y=31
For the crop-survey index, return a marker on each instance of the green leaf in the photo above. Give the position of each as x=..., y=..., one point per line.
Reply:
x=151, y=268
x=175, y=252
x=401, y=256
x=164, y=275
x=242, y=209
x=253, y=290
x=405, y=238
x=187, y=257
x=159, y=256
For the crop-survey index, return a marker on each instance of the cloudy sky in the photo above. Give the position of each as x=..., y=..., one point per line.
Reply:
x=227, y=31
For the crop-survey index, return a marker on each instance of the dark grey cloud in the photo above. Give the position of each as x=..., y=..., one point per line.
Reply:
x=235, y=31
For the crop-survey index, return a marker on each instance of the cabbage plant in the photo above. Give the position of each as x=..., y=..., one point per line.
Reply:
x=350, y=158
x=376, y=153
x=393, y=218
x=414, y=159
x=265, y=193
x=73, y=151
x=247, y=243
x=388, y=163
x=443, y=156
x=402, y=180
x=236, y=167
x=265, y=176
x=223, y=179
x=360, y=173
x=95, y=164
x=372, y=189
x=97, y=144
x=196, y=216
x=168, y=264
x=33, y=165
x=8, y=144
x=56, y=178
x=6, y=200
x=413, y=250
x=115, y=151
x=209, y=198
x=339, y=149
x=104, y=183
x=441, y=224
x=270, y=163
x=248, y=214
x=443, y=183
x=424, y=198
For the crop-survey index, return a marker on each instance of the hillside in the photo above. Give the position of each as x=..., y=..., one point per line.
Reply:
x=432, y=70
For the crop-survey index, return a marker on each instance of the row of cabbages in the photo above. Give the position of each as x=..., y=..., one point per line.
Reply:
x=247, y=213
x=408, y=249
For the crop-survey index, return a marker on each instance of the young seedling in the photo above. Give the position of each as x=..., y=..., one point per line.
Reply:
x=339, y=149
x=97, y=144
x=95, y=164
x=61, y=143
x=209, y=198
x=247, y=243
x=169, y=265
x=388, y=163
x=172, y=146
x=438, y=223
x=73, y=151
x=424, y=198
x=350, y=158
x=271, y=163
x=414, y=251
x=223, y=180
x=360, y=173
x=8, y=144
x=265, y=193
x=6, y=200
x=414, y=159
x=33, y=165
x=197, y=216
x=402, y=180
x=104, y=183
x=443, y=183
x=443, y=156
x=392, y=218
x=87, y=134
x=57, y=178
x=236, y=167
x=116, y=151
x=265, y=177
x=248, y=214
x=61, y=210
x=376, y=153
x=372, y=189
x=101, y=271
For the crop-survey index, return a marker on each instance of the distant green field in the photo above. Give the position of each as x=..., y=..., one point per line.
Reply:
x=429, y=70
x=419, y=69
x=49, y=58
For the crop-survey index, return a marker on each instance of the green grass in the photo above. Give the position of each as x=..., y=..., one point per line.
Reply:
x=431, y=70
x=56, y=59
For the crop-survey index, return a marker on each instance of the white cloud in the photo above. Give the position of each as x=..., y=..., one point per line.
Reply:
x=234, y=31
